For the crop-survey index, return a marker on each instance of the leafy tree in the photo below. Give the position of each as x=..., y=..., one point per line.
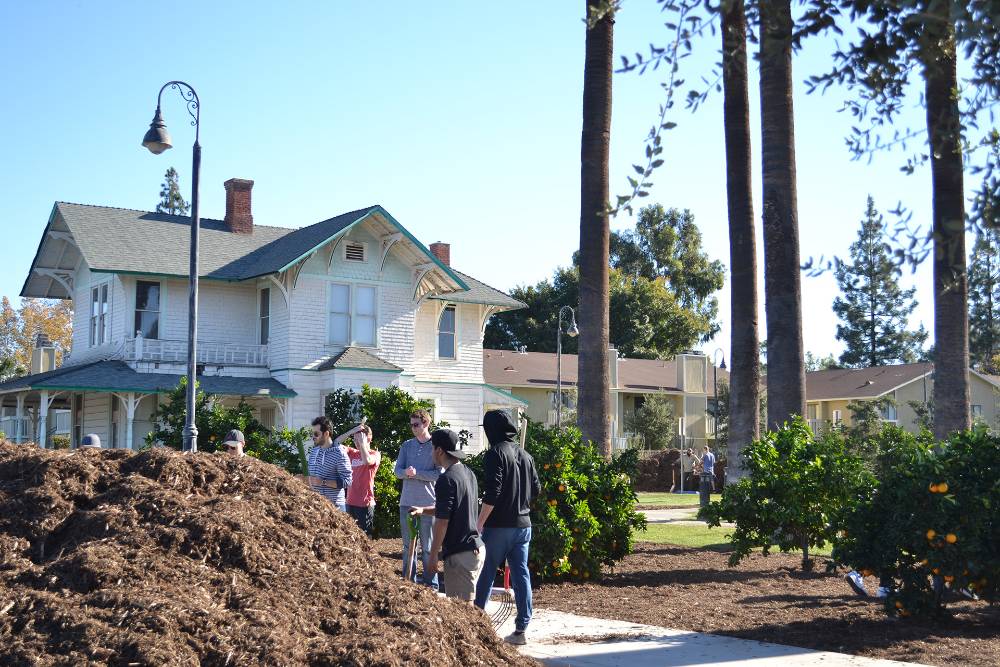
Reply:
x=873, y=309
x=19, y=327
x=593, y=377
x=796, y=484
x=655, y=421
x=984, y=301
x=9, y=369
x=171, y=199
x=814, y=363
x=866, y=423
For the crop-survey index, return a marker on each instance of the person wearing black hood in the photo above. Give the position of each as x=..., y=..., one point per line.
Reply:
x=510, y=484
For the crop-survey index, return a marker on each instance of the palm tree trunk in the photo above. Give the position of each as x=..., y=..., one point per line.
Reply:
x=594, y=411
x=951, y=312
x=782, y=280
x=744, y=378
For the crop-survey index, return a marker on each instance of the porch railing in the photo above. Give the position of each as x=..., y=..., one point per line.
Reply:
x=209, y=352
x=8, y=426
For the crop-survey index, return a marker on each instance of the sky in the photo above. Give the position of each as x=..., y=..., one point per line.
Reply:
x=461, y=118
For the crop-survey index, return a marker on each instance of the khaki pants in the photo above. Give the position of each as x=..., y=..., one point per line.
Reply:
x=461, y=572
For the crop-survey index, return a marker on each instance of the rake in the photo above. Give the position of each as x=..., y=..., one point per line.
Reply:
x=504, y=599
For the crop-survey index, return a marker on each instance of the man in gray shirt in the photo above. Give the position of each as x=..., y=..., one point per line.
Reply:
x=415, y=466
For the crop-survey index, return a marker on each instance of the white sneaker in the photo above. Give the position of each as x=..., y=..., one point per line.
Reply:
x=882, y=593
x=517, y=638
x=855, y=581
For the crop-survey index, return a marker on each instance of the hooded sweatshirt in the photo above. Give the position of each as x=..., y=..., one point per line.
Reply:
x=510, y=481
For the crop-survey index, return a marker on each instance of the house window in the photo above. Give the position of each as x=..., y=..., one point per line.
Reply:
x=836, y=417
x=813, y=412
x=147, y=309
x=340, y=314
x=446, y=333
x=99, y=320
x=354, y=252
x=364, y=316
x=265, y=315
x=889, y=413
x=977, y=412
x=267, y=417
x=568, y=399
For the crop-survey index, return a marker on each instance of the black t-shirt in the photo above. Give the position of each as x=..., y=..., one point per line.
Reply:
x=456, y=499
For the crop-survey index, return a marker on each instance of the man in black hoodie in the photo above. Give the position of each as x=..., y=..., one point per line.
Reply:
x=510, y=483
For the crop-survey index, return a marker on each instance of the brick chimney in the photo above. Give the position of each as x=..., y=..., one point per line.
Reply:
x=43, y=356
x=442, y=251
x=239, y=216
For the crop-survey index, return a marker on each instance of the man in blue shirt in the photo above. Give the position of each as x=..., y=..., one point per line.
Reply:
x=415, y=466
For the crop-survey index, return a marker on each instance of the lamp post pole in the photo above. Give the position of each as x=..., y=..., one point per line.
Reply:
x=572, y=332
x=157, y=140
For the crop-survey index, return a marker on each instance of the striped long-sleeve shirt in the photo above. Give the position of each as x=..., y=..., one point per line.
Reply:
x=331, y=463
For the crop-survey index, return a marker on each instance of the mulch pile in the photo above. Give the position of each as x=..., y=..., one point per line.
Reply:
x=159, y=558
x=770, y=599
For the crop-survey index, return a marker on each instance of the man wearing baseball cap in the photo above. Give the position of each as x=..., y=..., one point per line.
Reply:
x=234, y=442
x=456, y=508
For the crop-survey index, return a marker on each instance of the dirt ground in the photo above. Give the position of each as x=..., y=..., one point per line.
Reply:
x=159, y=558
x=768, y=599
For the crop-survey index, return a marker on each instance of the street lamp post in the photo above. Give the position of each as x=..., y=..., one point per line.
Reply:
x=157, y=140
x=715, y=373
x=572, y=332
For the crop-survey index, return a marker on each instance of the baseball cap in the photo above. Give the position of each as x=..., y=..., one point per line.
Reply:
x=91, y=440
x=234, y=437
x=447, y=440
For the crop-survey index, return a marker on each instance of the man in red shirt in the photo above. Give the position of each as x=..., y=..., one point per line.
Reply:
x=364, y=463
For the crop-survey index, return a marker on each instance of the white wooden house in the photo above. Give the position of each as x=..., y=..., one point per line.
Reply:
x=286, y=316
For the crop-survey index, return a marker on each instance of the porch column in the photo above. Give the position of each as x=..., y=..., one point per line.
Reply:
x=43, y=416
x=19, y=424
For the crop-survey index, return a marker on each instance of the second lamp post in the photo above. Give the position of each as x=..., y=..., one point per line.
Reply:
x=572, y=332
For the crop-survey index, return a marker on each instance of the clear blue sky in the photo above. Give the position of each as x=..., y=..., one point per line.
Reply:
x=461, y=118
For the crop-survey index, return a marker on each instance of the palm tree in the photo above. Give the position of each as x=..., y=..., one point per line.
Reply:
x=594, y=405
x=951, y=313
x=782, y=282
x=744, y=377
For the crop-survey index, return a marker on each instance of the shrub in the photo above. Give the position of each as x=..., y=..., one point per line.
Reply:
x=654, y=421
x=931, y=522
x=796, y=485
x=585, y=517
x=60, y=442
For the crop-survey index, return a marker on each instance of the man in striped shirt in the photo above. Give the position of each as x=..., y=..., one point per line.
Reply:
x=329, y=469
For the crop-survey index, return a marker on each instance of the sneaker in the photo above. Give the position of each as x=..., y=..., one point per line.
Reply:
x=965, y=592
x=855, y=581
x=882, y=593
x=517, y=638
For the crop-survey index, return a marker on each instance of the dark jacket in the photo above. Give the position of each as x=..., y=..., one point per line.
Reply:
x=510, y=481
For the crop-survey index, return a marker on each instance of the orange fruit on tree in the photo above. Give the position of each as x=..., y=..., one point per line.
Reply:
x=899, y=605
x=951, y=538
x=546, y=466
x=562, y=487
x=933, y=488
x=586, y=575
x=931, y=533
x=558, y=465
x=943, y=487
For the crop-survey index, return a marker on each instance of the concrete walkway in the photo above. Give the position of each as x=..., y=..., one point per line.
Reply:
x=681, y=515
x=557, y=638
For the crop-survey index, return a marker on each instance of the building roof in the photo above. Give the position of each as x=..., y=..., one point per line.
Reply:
x=850, y=383
x=117, y=240
x=507, y=368
x=117, y=376
x=355, y=358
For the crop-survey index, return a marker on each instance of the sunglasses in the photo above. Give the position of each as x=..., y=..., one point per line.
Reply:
x=417, y=425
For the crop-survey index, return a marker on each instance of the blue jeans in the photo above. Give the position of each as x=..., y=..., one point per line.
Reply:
x=426, y=536
x=510, y=544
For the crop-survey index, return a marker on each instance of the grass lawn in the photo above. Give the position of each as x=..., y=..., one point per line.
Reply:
x=664, y=499
x=696, y=536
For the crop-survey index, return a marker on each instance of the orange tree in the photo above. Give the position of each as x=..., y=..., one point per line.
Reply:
x=585, y=517
x=931, y=521
x=796, y=486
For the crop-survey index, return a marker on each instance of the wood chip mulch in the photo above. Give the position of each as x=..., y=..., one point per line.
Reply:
x=158, y=558
x=770, y=599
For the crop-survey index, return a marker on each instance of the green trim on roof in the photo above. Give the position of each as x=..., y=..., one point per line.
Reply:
x=319, y=245
x=444, y=267
x=504, y=392
x=184, y=276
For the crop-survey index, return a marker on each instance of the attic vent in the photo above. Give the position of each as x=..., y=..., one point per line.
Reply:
x=354, y=252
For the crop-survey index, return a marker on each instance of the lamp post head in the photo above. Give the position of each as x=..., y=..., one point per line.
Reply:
x=573, y=331
x=157, y=138
x=723, y=364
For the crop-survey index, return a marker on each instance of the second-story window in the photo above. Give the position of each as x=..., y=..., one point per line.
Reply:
x=364, y=316
x=340, y=314
x=100, y=323
x=446, y=333
x=147, y=309
x=265, y=315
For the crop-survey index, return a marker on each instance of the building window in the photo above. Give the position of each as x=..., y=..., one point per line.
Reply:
x=267, y=417
x=99, y=320
x=446, y=333
x=265, y=315
x=889, y=413
x=147, y=309
x=568, y=399
x=364, y=316
x=340, y=314
x=977, y=412
x=813, y=412
x=836, y=417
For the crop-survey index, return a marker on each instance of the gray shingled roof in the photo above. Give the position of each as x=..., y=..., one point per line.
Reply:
x=119, y=376
x=358, y=359
x=480, y=292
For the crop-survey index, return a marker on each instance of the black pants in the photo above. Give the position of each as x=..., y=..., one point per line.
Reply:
x=365, y=516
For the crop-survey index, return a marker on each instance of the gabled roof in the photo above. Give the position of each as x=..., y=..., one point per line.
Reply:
x=480, y=292
x=116, y=240
x=355, y=358
x=850, y=383
x=108, y=376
